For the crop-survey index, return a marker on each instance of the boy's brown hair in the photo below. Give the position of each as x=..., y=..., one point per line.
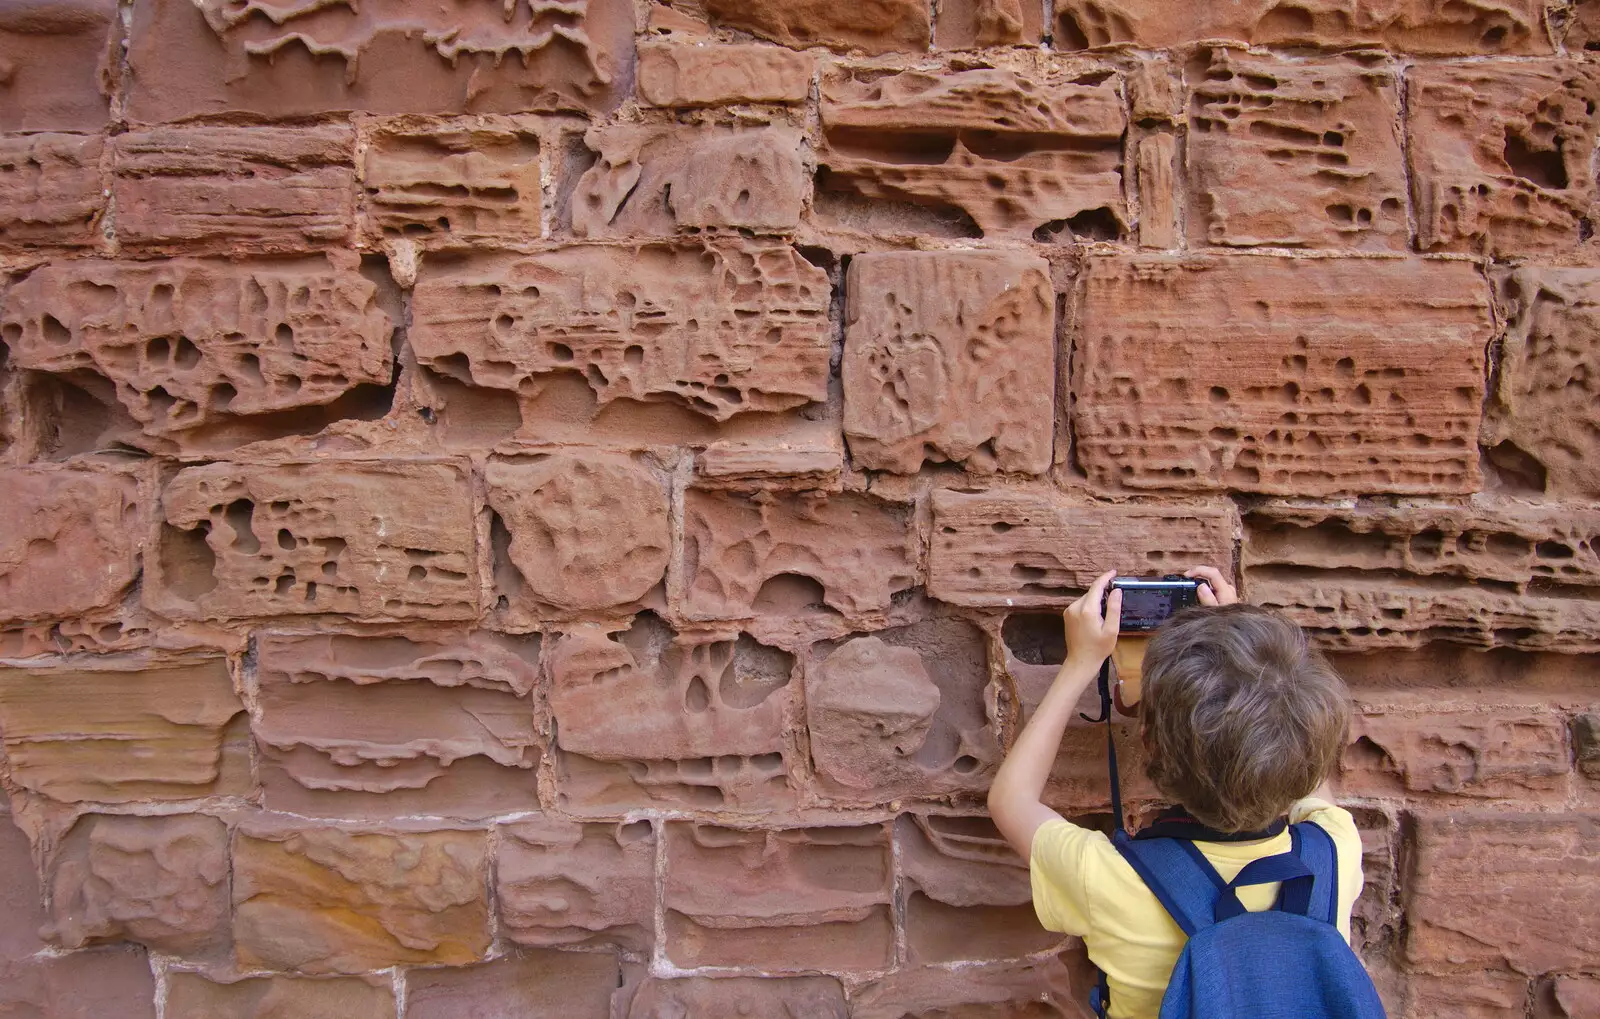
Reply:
x=1242, y=716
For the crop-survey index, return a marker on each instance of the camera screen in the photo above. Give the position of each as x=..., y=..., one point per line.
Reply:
x=1145, y=608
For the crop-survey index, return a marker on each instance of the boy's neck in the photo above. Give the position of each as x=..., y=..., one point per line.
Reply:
x=1177, y=823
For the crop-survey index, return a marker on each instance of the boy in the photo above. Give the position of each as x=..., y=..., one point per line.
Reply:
x=1242, y=722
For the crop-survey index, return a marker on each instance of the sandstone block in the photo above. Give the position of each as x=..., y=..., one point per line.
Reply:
x=1378, y=917
x=1543, y=418
x=296, y=539
x=1482, y=995
x=118, y=730
x=321, y=900
x=967, y=892
x=1036, y=548
x=463, y=183
x=800, y=899
x=83, y=985
x=695, y=723
x=1045, y=989
x=1158, y=191
x=1414, y=26
x=1012, y=152
x=561, y=883
x=973, y=24
x=1577, y=996
x=782, y=466
x=875, y=26
x=69, y=541
x=1492, y=891
x=794, y=556
x=259, y=188
x=60, y=58
x=721, y=329
x=1501, y=574
x=1583, y=28
x=51, y=195
x=396, y=56
x=1411, y=746
x=683, y=74
x=1586, y=744
x=1499, y=155
x=193, y=342
x=388, y=726
x=903, y=712
x=1295, y=154
x=749, y=997
x=932, y=340
x=192, y=996
x=583, y=531
x=651, y=180
x=21, y=900
x=1280, y=375
x=528, y=985
x=160, y=881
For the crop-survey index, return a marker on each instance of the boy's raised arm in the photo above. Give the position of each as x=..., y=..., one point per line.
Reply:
x=1014, y=798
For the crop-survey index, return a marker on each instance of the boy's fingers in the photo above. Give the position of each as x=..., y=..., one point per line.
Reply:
x=1097, y=591
x=1113, y=621
x=1207, y=597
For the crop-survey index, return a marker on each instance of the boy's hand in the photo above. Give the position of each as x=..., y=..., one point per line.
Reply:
x=1215, y=590
x=1091, y=636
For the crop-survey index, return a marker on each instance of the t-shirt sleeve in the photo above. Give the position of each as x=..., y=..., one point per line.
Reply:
x=1058, y=868
x=1338, y=823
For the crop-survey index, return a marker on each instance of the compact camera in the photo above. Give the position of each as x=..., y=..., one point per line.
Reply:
x=1146, y=604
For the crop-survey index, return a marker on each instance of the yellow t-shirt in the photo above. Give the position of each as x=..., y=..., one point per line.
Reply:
x=1082, y=886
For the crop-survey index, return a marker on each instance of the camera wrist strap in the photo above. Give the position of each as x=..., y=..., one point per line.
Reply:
x=1100, y=998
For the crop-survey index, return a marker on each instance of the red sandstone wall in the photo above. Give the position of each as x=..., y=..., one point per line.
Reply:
x=554, y=509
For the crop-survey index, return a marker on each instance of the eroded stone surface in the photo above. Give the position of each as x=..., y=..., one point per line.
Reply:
x=383, y=726
x=1499, y=154
x=193, y=342
x=240, y=540
x=904, y=712
x=1543, y=421
x=811, y=898
x=1017, y=548
x=965, y=24
x=1295, y=154
x=460, y=182
x=952, y=354
x=1012, y=152
x=673, y=73
x=722, y=329
x=59, y=58
x=160, y=881
x=527, y=984
x=192, y=996
x=51, y=195
x=319, y=900
x=255, y=188
x=746, y=997
x=1280, y=375
x=582, y=531
x=564, y=883
x=967, y=892
x=1501, y=574
x=1504, y=890
x=698, y=723
x=757, y=466
x=69, y=541
x=82, y=985
x=876, y=26
x=1417, y=26
x=654, y=181
x=399, y=56
x=120, y=730
x=1047, y=989
x=21, y=899
x=796, y=555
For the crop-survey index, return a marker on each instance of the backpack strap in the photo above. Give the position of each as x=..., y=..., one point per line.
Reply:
x=1196, y=896
x=1187, y=889
x=1316, y=848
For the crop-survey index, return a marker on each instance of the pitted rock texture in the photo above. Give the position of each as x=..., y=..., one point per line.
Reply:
x=51, y=194
x=725, y=330
x=453, y=182
x=69, y=541
x=1267, y=389
x=562, y=883
x=316, y=538
x=1500, y=156
x=400, y=56
x=1012, y=152
x=190, y=343
x=116, y=729
x=321, y=900
x=1295, y=155
x=968, y=24
x=684, y=74
x=373, y=725
x=876, y=26
x=60, y=60
x=1470, y=28
x=192, y=996
x=927, y=333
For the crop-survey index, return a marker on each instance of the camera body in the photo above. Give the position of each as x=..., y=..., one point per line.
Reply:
x=1146, y=604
